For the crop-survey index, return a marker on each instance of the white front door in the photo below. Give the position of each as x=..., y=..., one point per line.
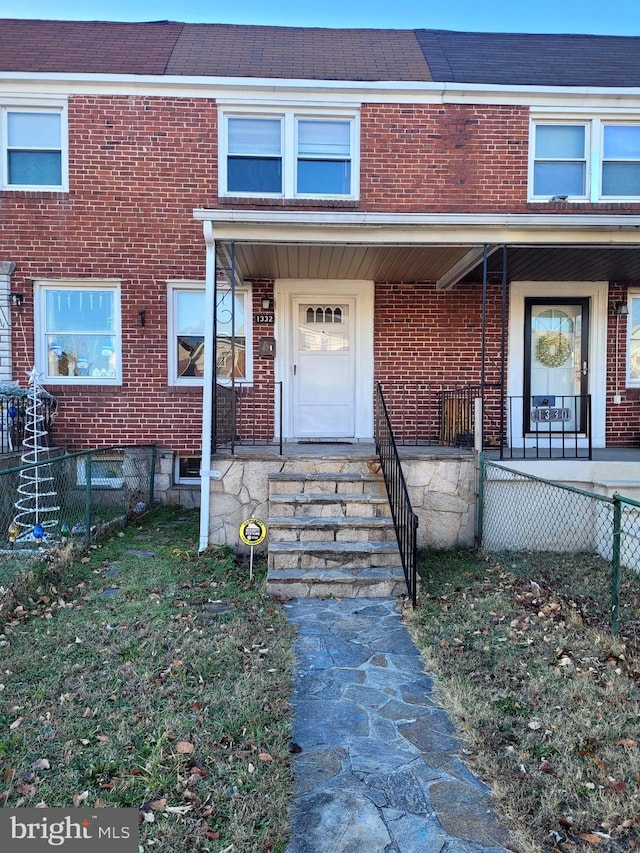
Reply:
x=323, y=368
x=324, y=358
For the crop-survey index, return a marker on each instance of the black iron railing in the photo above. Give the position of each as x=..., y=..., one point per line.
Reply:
x=13, y=417
x=548, y=427
x=247, y=414
x=432, y=413
x=404, y=518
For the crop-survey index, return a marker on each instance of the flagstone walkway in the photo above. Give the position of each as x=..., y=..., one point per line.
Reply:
x=379, y=768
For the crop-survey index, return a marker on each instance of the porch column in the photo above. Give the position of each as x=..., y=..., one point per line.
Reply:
x=6, y=268
x=209, y=378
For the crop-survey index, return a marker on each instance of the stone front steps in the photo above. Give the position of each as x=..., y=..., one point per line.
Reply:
x=331, y=534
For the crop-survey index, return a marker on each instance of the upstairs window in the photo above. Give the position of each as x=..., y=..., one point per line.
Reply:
x=254, y=161
x=594, y=159
x=34, y=149
x=560, y=163
x=324, y=157
x=620, y=160
x=289, y=154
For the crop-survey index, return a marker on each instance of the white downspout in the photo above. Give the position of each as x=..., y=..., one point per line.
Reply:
x=209, y=379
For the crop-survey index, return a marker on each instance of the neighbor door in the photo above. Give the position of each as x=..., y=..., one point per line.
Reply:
x=556, y=363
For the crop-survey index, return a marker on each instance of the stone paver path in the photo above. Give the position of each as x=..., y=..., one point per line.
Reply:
x=379, y=769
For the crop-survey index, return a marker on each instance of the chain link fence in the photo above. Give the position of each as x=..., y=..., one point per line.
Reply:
x=521, y=512
x=70, y=497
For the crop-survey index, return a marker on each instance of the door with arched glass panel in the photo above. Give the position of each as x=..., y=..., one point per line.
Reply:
x=556, y=365
x=324, y=368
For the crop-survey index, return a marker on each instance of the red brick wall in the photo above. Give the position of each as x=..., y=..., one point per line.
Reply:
x=137, y=169
x=444, y=158
x=139, y=166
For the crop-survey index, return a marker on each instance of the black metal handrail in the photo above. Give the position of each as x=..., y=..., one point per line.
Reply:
x=405, y=520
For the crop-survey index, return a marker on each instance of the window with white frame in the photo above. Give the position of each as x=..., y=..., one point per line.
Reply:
x=587, y=159
x=186, y=334
x=289, y=154
x=34, y=155
x=633, y=339
x=78, y=332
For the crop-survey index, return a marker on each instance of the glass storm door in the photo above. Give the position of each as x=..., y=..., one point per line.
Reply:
x=556, y=365
x=324, y=369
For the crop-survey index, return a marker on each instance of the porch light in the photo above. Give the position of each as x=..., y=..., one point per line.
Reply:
x=265, y=302
x=16, y=299
x=621, y=309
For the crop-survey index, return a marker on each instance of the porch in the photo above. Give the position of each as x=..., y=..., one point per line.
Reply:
x=441, y=481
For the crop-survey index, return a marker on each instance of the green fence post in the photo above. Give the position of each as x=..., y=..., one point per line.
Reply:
x=615, y=566
x=480, y=509
x=87, y=498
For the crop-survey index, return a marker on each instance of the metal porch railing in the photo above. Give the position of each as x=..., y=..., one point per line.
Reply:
x=547, y=427
x=13, y=414
x=404, y=518
x=247, y=414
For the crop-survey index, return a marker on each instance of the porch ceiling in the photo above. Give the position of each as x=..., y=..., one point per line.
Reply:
x=446, y=265
x=347, y=262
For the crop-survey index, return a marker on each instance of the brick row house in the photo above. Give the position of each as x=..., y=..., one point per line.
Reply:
x=220, y=235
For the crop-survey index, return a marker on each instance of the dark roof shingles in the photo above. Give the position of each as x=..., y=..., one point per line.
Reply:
x=231, y=50
x=522, y=59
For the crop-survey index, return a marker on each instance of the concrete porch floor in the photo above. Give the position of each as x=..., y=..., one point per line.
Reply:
x=366, y=449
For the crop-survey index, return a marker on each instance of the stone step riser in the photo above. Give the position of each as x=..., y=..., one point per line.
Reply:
x=307, y=487
x=304, y=534
x=345, y=561
x=293, y=505
x=349, y=588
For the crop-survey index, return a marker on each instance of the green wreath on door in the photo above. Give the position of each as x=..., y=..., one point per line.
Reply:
x=553, y=349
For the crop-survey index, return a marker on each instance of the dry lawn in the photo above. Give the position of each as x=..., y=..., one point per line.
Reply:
x=547, y=702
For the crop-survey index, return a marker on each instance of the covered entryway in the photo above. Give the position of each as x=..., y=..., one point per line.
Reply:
x=325, y=358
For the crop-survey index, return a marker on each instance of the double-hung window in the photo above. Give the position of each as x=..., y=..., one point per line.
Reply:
x=289, y=154
x=78, y=332
x=33, y=148
x=620, y=160
x=186, y=334
x=588, y=159
x=560, y=160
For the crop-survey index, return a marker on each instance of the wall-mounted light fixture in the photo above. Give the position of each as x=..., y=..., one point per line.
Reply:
x=265, y=302
x=16, y=300
x=621, y=309
x=142, y=313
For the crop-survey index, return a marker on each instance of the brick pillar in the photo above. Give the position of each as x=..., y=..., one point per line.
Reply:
x=6, y=268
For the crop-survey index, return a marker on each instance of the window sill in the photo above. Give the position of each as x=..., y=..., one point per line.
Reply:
x=266, y=202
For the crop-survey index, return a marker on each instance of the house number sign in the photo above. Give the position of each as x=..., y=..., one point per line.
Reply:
x=551, y=413
x=264, y=319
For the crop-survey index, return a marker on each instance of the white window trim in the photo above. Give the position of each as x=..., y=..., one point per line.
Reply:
x=289, y=117
x=629, y=382
x=41, y=287
x=9, y=106
x=174, y=287
x=594, y=137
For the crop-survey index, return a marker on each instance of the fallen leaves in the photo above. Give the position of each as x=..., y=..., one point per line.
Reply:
x=184, y=747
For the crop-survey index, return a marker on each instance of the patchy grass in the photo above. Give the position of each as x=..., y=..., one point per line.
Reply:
x=547, y=702
x=152, y=677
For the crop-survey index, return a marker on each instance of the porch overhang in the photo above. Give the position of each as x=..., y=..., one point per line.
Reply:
x=415, y=247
